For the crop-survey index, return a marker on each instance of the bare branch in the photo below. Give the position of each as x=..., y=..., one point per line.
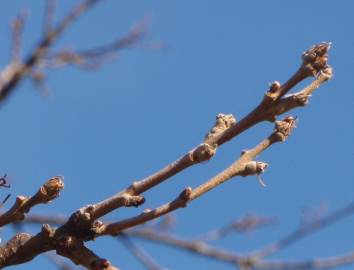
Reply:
x=75, y=250
x=194, y=246
x=14, y=73
x=244, y=166
x=55, y=220
x=68, y=240
x=245, y=261
x=48, y=192
x=17, y=29
x=317, y=263
x=5, y=200
x=201, y=248
x=245, y=224
x=300, y=98
x=117, y=227
x=23, y=247
x=49, y=15
x=100, y=209
x=305, y=230
x=139, y=253
x=314, y=61
x=94, y=57
x=55, y=259
x=204, y=150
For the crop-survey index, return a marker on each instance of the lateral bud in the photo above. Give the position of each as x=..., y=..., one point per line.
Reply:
x=254, y=167
x=274, y=87
x=222, y=123
x=203, y=152
x=283, y=128
x=272, y=93
x=51, y=189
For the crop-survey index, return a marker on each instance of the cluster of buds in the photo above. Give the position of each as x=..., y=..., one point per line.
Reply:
x=283, y=128
x=51, y=189
x=315, y=59
x=222, y=123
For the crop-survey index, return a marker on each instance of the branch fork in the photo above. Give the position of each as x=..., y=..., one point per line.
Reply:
x=83, y=225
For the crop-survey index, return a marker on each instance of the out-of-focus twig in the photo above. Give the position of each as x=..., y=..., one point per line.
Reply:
x=94, y=57
x=16, y=36
x=243, y=261
x=48, y=17
x=5, y=200
x=316, y=263
x=41, y=58
x=305, y=230
x=11, y=75
x=58, y=262
x=253, y=259
x=37, y=219
x=194, y=246
x=245, y=224
x=146, y=260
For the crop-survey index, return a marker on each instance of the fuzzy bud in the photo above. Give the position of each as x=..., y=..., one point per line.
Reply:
x=274, y=87
x=283, y=128
x=315, y=59
x=254, y=167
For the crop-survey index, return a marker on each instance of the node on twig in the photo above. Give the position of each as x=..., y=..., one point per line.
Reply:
x=222, y=123
x=283, y=128
x=255, y=168
x=315, y=59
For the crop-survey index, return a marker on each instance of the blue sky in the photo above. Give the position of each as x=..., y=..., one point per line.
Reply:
x=102, y=130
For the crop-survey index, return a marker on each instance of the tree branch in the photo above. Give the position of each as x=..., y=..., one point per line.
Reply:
x=48, y=17
x=75, y=250
x=94, y=57
x=48, y=192
x=244, y=166
x=300, y=98
x=57, y=261
x=244, y=261
x=194, y=246
x=68, y=240
x=314, y=63
x=145, y=259
x=305, y=230
x=17, y=29
x=15, y=72
x=245, y=224
x=254, y=259
x=317, y=263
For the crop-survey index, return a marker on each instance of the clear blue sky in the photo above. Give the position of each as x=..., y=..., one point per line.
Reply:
x=102, y=130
